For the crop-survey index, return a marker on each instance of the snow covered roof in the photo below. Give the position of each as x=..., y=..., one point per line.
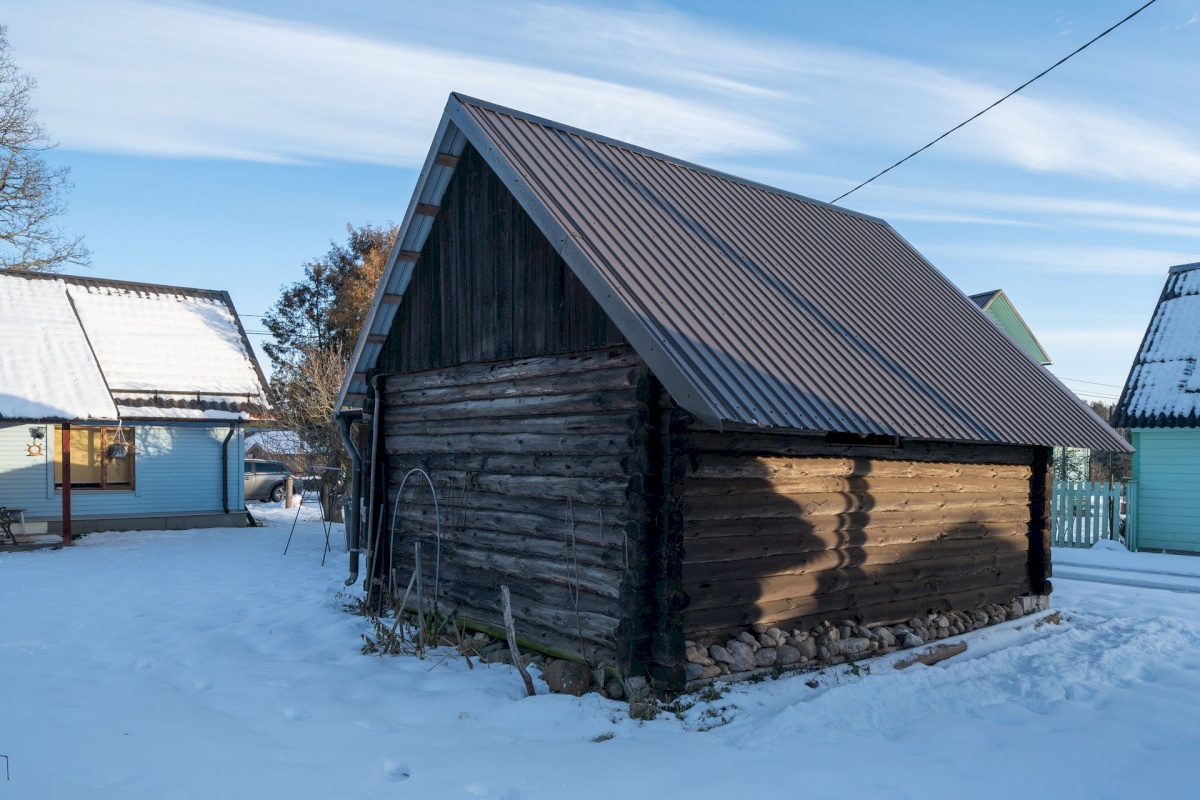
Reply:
x=74, y=348
x=1163, y=387
x=277, y=442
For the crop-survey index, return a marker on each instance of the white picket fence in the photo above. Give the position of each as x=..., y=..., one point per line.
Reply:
x=1084, y=512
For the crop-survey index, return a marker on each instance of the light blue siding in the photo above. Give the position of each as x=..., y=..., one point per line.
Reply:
x=176, y=471
x=1166, y=467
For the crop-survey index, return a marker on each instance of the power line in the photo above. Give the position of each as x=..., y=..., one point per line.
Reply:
x=1093, y=383
x=1061, y=61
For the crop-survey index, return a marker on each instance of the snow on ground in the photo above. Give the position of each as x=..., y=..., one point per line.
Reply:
x=205, y=664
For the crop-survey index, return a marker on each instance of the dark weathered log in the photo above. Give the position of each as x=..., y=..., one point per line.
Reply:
x=715, y=466
x=856, y=485
x=817, y=584
x=624, y=379
x=552, y=509
x=851, y=556
x=813, y=505
x=602, y=581
x=520, y=406
x=950, y=519
x=501, y=464
x=479, y=586
x=608, y=556
x=614, y=422
x=608, y=358
x=546, y=488
x=533, y=443
x=797, y=445
x=414, y=520
x=1041, y=486
x=750, y=547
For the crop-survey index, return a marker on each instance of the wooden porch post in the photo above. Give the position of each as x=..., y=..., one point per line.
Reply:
x=66, y=484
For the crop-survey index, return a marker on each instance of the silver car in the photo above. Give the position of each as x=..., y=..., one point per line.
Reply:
x=264, y=480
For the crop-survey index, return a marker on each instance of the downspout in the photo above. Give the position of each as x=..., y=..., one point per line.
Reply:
x=352, y=531
x=225, y=469
x=376, y=415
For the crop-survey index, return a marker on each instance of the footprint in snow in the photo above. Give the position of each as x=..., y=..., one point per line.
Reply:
x=394, y=771
x=506, y=793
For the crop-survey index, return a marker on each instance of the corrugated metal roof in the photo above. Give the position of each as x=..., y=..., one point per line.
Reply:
x=1163, y=387
x=758, y=306
x=1000, y=309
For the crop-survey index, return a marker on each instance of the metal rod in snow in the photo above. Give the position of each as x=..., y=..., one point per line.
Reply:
x=511, y=630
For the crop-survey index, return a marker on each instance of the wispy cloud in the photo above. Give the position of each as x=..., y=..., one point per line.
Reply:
x=187, y=80
x=193, y=80
x=1070, y=259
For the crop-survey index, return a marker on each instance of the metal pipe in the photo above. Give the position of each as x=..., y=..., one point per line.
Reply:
x=376, y=416
x=352, y=531
x=225, y=469
x=66, y=484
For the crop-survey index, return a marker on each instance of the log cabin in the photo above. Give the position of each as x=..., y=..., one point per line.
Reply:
x=662, y=403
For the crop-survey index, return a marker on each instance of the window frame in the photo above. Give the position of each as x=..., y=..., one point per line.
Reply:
x=105, y=432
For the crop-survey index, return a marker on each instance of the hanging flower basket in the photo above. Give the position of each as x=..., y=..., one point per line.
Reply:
x=120, y=447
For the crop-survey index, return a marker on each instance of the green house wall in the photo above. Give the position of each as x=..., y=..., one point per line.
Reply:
x=1166, y=467
x=1003, y=314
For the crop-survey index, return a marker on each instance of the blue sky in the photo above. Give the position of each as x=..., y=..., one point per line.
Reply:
x=223, y=144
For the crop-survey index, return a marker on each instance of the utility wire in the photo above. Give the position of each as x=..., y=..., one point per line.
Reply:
x=1061, y=61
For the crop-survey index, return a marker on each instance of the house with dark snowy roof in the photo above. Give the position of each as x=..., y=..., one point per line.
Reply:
x=663, y=404
x=122, y=404
x=1160, y=404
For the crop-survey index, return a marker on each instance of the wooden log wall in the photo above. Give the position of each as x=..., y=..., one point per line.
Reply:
x=788, y=530
x=489, y=286
x=543, y=484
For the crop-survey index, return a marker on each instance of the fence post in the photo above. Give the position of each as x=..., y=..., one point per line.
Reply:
x=1131, y=516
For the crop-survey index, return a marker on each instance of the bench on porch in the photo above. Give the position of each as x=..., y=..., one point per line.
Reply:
x=7, y=517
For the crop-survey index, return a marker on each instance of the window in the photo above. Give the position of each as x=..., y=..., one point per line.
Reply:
x=93, y=466
x=249, y=467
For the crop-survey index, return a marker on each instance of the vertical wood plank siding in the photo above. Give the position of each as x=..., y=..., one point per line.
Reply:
x=489, y=286
x=540, y=469
x=1167, y=472
x=789, y=531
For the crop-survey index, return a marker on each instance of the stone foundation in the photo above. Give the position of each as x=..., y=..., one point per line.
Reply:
x=763, y=648
x=829, y=643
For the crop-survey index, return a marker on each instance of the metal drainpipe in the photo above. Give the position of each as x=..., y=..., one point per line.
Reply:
x=376, y=415
x=225, y=469
x=352, y=530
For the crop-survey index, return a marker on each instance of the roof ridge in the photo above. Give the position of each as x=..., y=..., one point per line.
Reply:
x=1183, y=268
x=116, y=283
x=645, y=151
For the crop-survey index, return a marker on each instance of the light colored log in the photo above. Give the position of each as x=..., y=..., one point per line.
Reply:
x=812, y=505
x=857, y=485
x=744, y=546
x=934, y=655
x=850, y=557
x=723, y=467
x=511, y=630
x=803, y=587
x=946, y=518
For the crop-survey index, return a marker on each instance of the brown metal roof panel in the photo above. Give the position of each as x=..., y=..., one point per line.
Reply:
x=773, y=309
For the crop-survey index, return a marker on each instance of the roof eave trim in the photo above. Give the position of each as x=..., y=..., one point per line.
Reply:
x=682, y=388
x=442, y=140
